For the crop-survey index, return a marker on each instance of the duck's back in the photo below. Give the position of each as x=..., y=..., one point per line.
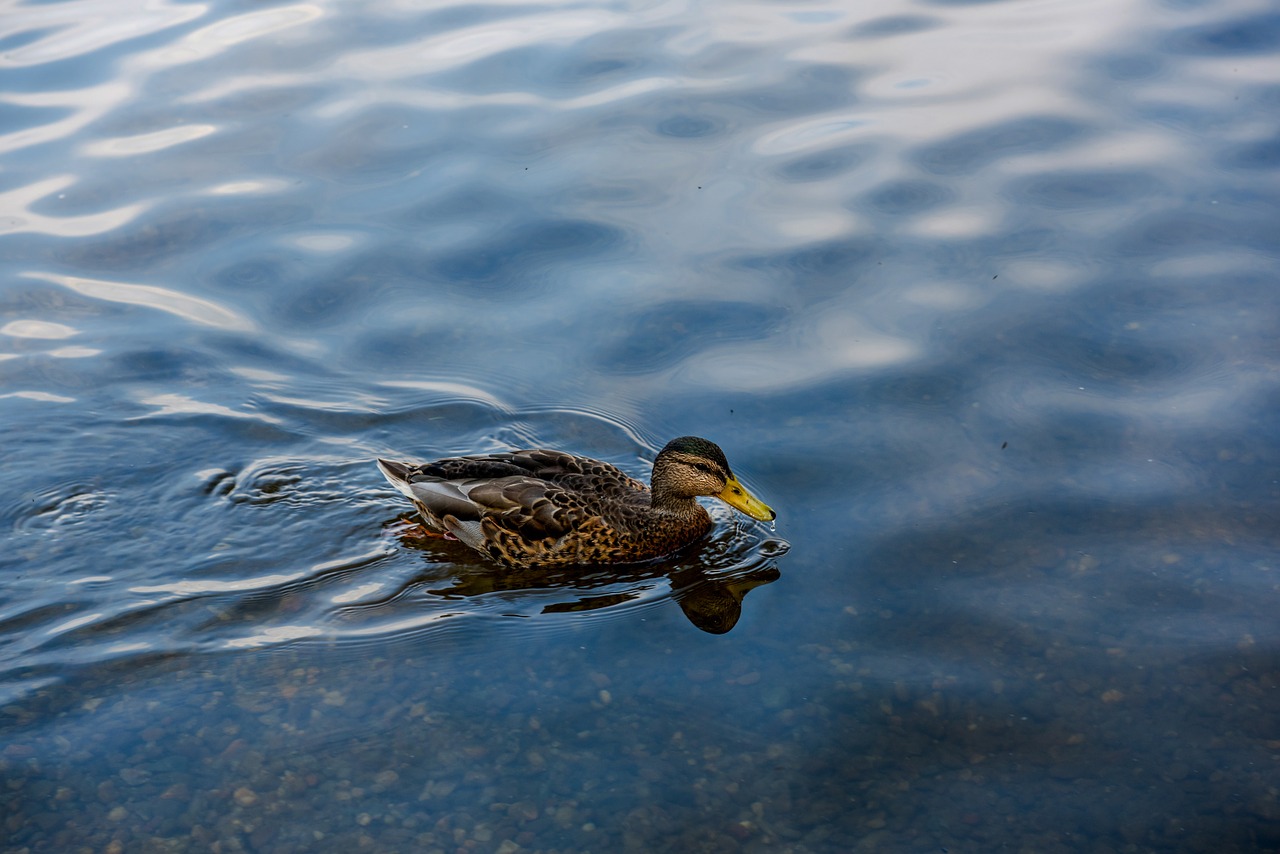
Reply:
x=536, y=507
x=596, y=484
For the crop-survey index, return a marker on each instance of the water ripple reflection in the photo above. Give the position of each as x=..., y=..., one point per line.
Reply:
x=195, y=309
x=244, y=587
x=982, y=294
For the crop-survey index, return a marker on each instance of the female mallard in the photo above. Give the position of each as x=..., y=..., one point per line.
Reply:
x=548, y=508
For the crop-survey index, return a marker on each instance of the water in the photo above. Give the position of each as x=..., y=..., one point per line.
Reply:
x=979, y=296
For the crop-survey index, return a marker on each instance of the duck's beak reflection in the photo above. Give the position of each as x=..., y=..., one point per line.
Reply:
x=736, y=496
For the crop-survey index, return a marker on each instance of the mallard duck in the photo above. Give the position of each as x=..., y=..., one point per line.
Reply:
x=541, y=508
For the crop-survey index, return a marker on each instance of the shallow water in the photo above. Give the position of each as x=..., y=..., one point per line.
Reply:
x=979, y=296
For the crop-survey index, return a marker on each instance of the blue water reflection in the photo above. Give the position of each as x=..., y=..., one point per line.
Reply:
x=979, y=296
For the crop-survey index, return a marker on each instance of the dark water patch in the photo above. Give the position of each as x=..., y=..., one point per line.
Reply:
x=158, y=239
x=21, y=619
x=1084, y=191
x=969, y=152
x=894, y=25
x=821, y=267
x=823, y=165
x=667, y=334
x=1131, y=67
x=20, y=38
x=251, y=273
x=1250, y=36
x=378, y=146
x=279, y=103
x=989, y=568
x=907, y=197
x=1166, y=306
x=607, y=59
x=686, y=126
x=294, y=729
x=328, y=303
x=161, y=364
x=497, y=72
x=1261, y=155
x=961, y=3
x=611, y=195
x=484, y=205
x=1182, y=230
x=1111, y=354
x=1021, y=240
x=591, y=63
x=802, y=90
x=508, y=260
x=1179, y=116
x=62, y=73
x=15, y=118
x=1020, y=750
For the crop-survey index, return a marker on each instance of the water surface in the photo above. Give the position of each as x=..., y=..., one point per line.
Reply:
x=979, y=296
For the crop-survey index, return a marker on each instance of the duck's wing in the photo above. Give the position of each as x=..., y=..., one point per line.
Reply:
x=509, y=504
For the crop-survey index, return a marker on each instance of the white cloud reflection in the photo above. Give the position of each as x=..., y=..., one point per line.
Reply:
x=146, y=143
x=217, y=37
x=38, y=329
x=195, y=309
x=831, y=346
x=181, y=404
x=17, y=216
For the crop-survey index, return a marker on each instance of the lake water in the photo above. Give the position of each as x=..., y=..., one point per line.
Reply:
x=980, y=297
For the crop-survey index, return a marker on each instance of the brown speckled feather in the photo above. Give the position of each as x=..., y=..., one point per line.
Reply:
x=550, y=508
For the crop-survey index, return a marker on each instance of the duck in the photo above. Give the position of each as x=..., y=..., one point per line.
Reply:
x=541, y=508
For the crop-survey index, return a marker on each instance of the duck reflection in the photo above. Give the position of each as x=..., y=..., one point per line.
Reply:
x=708, y=580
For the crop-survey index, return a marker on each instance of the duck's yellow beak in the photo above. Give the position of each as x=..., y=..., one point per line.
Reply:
x=737, y=497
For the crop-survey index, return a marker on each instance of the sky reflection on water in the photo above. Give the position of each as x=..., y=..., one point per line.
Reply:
x=979, y=296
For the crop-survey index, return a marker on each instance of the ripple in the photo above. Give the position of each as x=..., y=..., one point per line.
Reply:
x=685, y=126
x=659, y=337
x=195, y=309
x=147, y=143
x=1257, y=34
x=505, y=260
x=823, y=165
x=1263, y=155
x=708, y=581
x=42, y=329
x=906, y=198
x=43, y=396
x=20, y=216
x=802, y=91
x=984, y=292
x=895, y=25
x=220, y=36
x=171, y=404
x=1084, y=190
x=833, y=258
x=964, y=154
x=57, y=32
x=257, y=586
x=62, y=509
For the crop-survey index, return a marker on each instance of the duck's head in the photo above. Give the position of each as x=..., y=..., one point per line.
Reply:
x=690, y=466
